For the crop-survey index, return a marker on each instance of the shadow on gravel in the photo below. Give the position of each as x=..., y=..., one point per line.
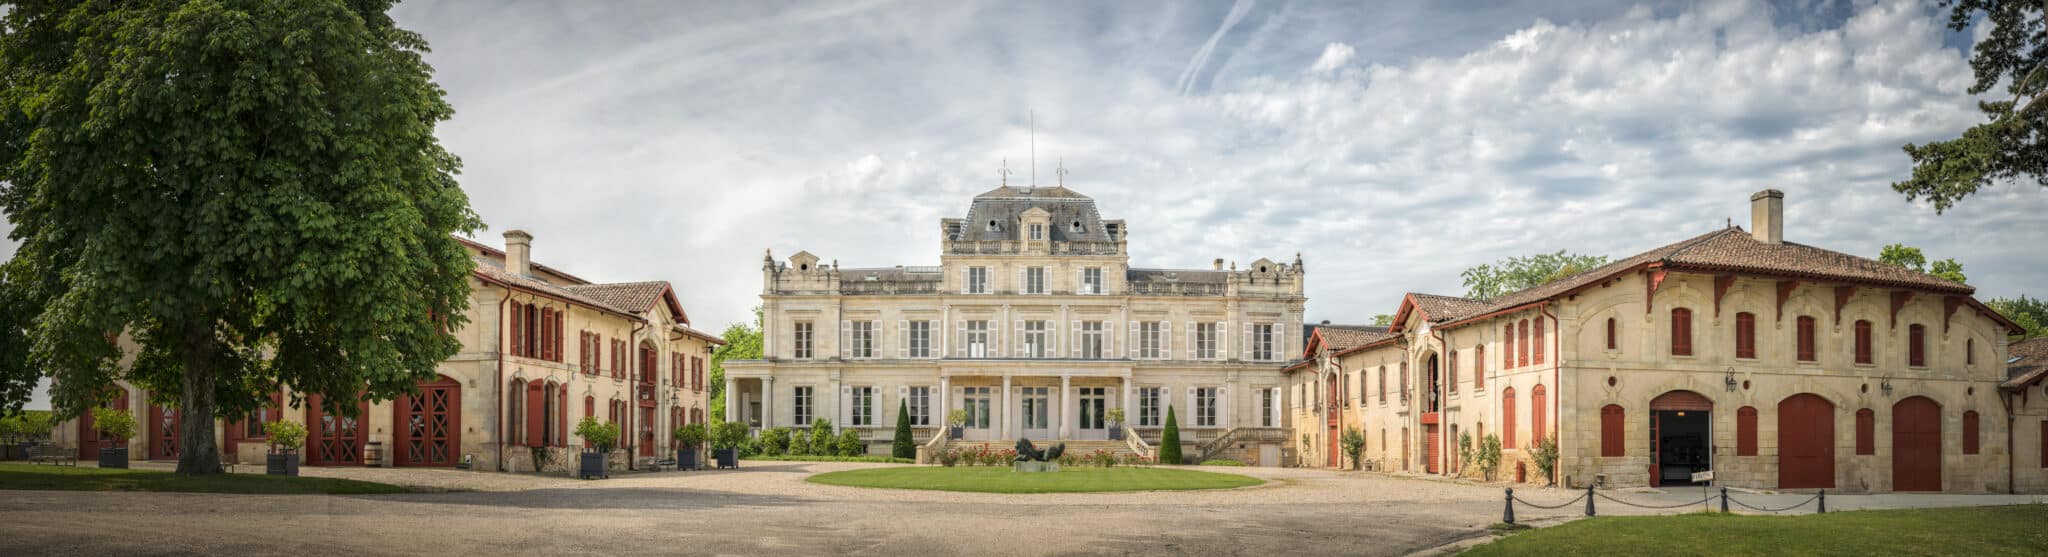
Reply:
x=622, y=499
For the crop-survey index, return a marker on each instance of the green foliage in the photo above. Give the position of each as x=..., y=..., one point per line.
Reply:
x=818, y=458
x=774, y=441
x=252, y=191
x=27, y=425
x=20, y=302
x=956, y=417
x=692, y=435
x=1901, y=255
x=850, y=444
x=821, y=436
x=742, y=342
x=601, y=434
x=728, y=435
x=1545, y=454
x=1115, y=416
x=285, y=435
x=1488, y=281
x=800, y=444
x=903, y=446
x=20, y=476
x=949, y=457
x=1382, y=320
x=1976, y=531
x=1221, y=462
x=1003, y=480
x=116, y=423
x=1465, y=450
x=2030, y=313
x=1169, y=440
x=1488, y=456
x=2009, y=146
x=1353, y=442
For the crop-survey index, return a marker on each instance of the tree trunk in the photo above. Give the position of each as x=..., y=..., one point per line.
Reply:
x=197, y=452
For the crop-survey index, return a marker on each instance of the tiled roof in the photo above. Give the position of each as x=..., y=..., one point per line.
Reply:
x=1441, y=308
x=2029, y=363
x=715, y=340
x=499, y=256
x=493, y=270
x=635, y=296
x=1338, y=337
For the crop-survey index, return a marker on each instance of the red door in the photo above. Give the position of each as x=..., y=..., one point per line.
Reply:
x=646, y=432
x=334, y=439
x=163, y=431
x=89, y=439
x=429, y=425
x=1435, y=448
x=1916, y=445
x=1334, y=419
x=1656, y=467
x=1806, y=443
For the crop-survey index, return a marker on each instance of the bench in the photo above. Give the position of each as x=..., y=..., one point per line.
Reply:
x=666, y=463
x=45, y=453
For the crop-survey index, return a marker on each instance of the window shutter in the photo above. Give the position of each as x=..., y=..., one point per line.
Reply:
x=845, y=339
x=1187, y=416
x=902, y=339
x=1074, y=328
x=1165, y=339
x=518, y=329
x=1222, y=340
x=1191, y=352
x=1745, y=431
x=960, y=338
x=1017, y=328
x=845, y=407
x=536, y=412
x=1245, y=348
x=965, y=288
x=1135, y=342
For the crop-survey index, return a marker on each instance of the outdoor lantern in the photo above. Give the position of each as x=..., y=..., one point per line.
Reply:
x=1730, y=379
x=1886, y=386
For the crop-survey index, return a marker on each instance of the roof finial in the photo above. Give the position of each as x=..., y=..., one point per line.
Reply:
x=1062, y=172
x=1004, y=172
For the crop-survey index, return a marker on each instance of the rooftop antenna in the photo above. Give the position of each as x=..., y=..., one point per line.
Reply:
x=1004, y=172
x=1034, y=148
x=1062, y=172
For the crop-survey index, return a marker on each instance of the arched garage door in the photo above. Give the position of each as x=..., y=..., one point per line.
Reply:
x=429, y=425
x=1806, y=442
x=1916, y=445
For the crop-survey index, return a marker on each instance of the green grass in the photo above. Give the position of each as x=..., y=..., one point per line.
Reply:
x=2014, y=530
x=815, y=458
x=1003, y=480
x=82, y=478
x=1221, y=462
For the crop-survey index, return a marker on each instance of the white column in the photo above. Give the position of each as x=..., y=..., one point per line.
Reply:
x=1003, y=429
x=945, y=401
x=767, y=402
x=732, y=399
x=1066, y=406
x=1129, y=412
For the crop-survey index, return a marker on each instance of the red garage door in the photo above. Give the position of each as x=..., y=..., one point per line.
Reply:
x=163, y=431
x=334, y=439
x=429, y=425
x=1806, y=443
x=1916, y=445
x=89, y=439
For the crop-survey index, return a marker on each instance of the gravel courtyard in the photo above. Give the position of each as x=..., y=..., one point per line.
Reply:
x=767, y=508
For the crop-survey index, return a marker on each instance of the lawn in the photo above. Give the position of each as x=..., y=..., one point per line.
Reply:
x=1003, y=480
x=2014, y=530
x=82, y=478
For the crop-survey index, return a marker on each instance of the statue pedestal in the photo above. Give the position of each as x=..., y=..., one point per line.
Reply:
x=1035, y=466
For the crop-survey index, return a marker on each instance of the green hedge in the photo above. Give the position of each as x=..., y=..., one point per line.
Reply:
x=815, y=458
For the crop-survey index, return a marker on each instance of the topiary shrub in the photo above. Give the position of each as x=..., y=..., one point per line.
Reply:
x=116, y=423
x=821, y=437
x=903, y=446
x=1169, y=441
x=286, y=436
x=601, y=435
x=850, y=444
x=775, y=441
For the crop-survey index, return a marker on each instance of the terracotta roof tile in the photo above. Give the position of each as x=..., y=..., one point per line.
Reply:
x=1441, y=308
x=1338, y=337
x=634, y=296
x=2029, y=362
x=495, y=271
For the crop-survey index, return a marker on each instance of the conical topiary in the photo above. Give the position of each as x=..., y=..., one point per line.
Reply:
x=904, y=447
x=1169, y=441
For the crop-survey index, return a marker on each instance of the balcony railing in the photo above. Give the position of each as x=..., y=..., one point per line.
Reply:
x=1179, y=288
x=889, y=287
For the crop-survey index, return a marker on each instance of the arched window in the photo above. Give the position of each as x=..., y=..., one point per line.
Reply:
x=1611, y=435
x=1745, y=335
x=1866, y=431
x=1745, y=431
x=1538, y=421
x=1507, y=417
x=1863, y=350
x=1807, y=353
x=1681, y=332
x=1537, y=347
x=1383, y=384
x=1404, y=381
x=1916, y=345
x=1612, y=343
x=1970, y=432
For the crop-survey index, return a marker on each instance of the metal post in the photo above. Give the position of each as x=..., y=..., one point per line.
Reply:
x=1508, y=515
x=1589, y=500
x=1724, y=500
x=1823, y=498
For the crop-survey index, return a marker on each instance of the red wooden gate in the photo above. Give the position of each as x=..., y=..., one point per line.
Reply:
x=1916, y=445
x=1435, y=448
x=89, y=439
x=163, y=431
x=429, y=425
x=1806, y=442
x=334, y=439
x=1333, y=418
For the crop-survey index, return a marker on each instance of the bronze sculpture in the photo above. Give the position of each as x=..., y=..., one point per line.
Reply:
x=1026, y=452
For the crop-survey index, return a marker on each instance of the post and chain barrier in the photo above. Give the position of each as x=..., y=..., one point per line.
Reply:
x=1508, y=513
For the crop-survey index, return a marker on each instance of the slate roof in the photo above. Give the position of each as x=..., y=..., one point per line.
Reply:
x=2029, y=363
x=1005, y=205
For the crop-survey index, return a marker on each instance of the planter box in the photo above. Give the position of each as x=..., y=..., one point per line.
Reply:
x=1116, y=434
x=592, y=465
x=727, y=458
x=114, y=458
x=1036, y=466
x=956, y=432
x=286, y=464
x=686, y=459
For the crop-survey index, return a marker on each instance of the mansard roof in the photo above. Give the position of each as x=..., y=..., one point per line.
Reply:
x=1005, y=205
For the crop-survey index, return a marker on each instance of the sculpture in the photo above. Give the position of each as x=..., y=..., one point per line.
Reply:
x=1026, y=452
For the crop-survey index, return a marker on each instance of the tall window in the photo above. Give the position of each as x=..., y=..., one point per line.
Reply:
x=1404, y=381
x=1539, y=422
x=1863, y=350
x=1037, y=231
x=1383, y=384
x=1452, y=368
x=977, y=339
x=1522, y=342
x=1507, y=352
x=1969, y=351
x=1269, y=407
x=920, y=339
x=1034, y=339
x=1205, y=341
x=1807, y=353
x=805, y=332
x=1478, y=367
x=1034, y=279
x=1150, y=338
x=1205, y=407
x=1507, y=413
x=1916, y=345
x=1148, y=406
x=863, y=335
x=1612, y=343
x=977, y=280
x=1536, y=348
x=1091, y=280
x=863, y=402
x=1745, y=335
x=1091, y=340
x=1866, y=431
x=920, y=406
x=1262, y=341
x=1681, y=332
x=1970, y=441
x=804, y=405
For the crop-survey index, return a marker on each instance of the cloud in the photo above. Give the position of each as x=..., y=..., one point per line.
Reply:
x=1336, y=55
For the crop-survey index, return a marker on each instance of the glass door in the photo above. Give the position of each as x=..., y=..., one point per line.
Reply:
x=1037, y=412
x=1094, y=404
x=975, y=400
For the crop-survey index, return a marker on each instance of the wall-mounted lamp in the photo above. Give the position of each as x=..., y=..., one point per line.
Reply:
x=1886, y=386
x=1730, y=380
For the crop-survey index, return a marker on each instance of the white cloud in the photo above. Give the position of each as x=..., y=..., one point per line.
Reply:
x=1335, y=56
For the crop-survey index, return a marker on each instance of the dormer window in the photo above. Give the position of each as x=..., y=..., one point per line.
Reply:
x=1037, y=231
x=1077, y=226
x=994, y=227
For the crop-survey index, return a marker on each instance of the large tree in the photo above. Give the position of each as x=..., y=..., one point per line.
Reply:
x=1488, y=281
x=2012, y=143
x=2030, y=313
x=742, y=342
x=1910, y=257
x=249, y=191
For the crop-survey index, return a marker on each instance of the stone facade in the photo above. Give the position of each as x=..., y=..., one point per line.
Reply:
x=504, y=397
x=1034, y=321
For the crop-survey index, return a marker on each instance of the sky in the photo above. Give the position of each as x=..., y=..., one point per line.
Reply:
x=1392, y=144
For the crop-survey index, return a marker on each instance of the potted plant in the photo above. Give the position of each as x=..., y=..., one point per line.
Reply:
x=956, y=423
x=600, y=436
x=286, y=437
x=725, y=444
x=688, y=438
x=114, y=424
x=1116, y=423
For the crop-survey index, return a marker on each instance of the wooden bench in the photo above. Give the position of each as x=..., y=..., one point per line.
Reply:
x=45, y=453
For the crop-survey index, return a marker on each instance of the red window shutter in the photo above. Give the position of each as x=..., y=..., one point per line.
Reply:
x=1507, y=412
x=1479, y=367
x=518, y=330
x=1806, y=351
x=547, y=331
x=1681, y=332
x=1863, y=342
x=2044, y=443
x=536, y=412
x=1522, y=340
x=562, y=416
x=1745, y=431
x=1538, y=421
x=1745, y=335
x=1538, y=347
x=1916, y=348
x=1611, y=342
x=1611, y=436
x=1507, y=355
x=1866, y=432
x=1970, y=432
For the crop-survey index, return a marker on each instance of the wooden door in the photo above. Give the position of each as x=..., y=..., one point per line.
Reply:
x=1916, y=445
x=163, y=431
x=1435, y=447
x=1806, y=443
x=429, y=425
x=1656, y=449
x=334, y=439
x=89, y=439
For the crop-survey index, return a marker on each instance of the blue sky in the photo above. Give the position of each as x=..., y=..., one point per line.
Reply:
x=1392, y=145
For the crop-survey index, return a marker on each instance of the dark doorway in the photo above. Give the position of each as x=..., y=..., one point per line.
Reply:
x=1681, y=444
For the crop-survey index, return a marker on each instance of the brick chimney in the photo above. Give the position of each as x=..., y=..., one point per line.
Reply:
x=519, y=252
x=1767, y=216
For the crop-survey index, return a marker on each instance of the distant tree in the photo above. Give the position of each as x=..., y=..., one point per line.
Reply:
x=2010, y=144
x=742, y=342
x=1489, y=281
x=2030, y=313
x=1169, y=441
x=903, y=447
x=1382, y=320
x=1902, y=255
x=250, y=191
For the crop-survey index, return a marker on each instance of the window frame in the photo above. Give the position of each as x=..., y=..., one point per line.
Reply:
x=804, y=338
x=803, y=406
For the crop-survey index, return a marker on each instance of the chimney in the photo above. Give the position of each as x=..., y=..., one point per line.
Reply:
x=1767, y=216
x=1219, y=264
x=519, y=252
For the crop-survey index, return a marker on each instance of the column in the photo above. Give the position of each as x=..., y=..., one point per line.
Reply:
x=732, y=399
x=1227, y=398
x=1003, y=429
x=944, y=398
x=767, y=402
x=1130, y=412
x=1066, y=406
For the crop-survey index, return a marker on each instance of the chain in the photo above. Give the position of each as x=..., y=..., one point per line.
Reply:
x=1767, y=510
x=1560, y=506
